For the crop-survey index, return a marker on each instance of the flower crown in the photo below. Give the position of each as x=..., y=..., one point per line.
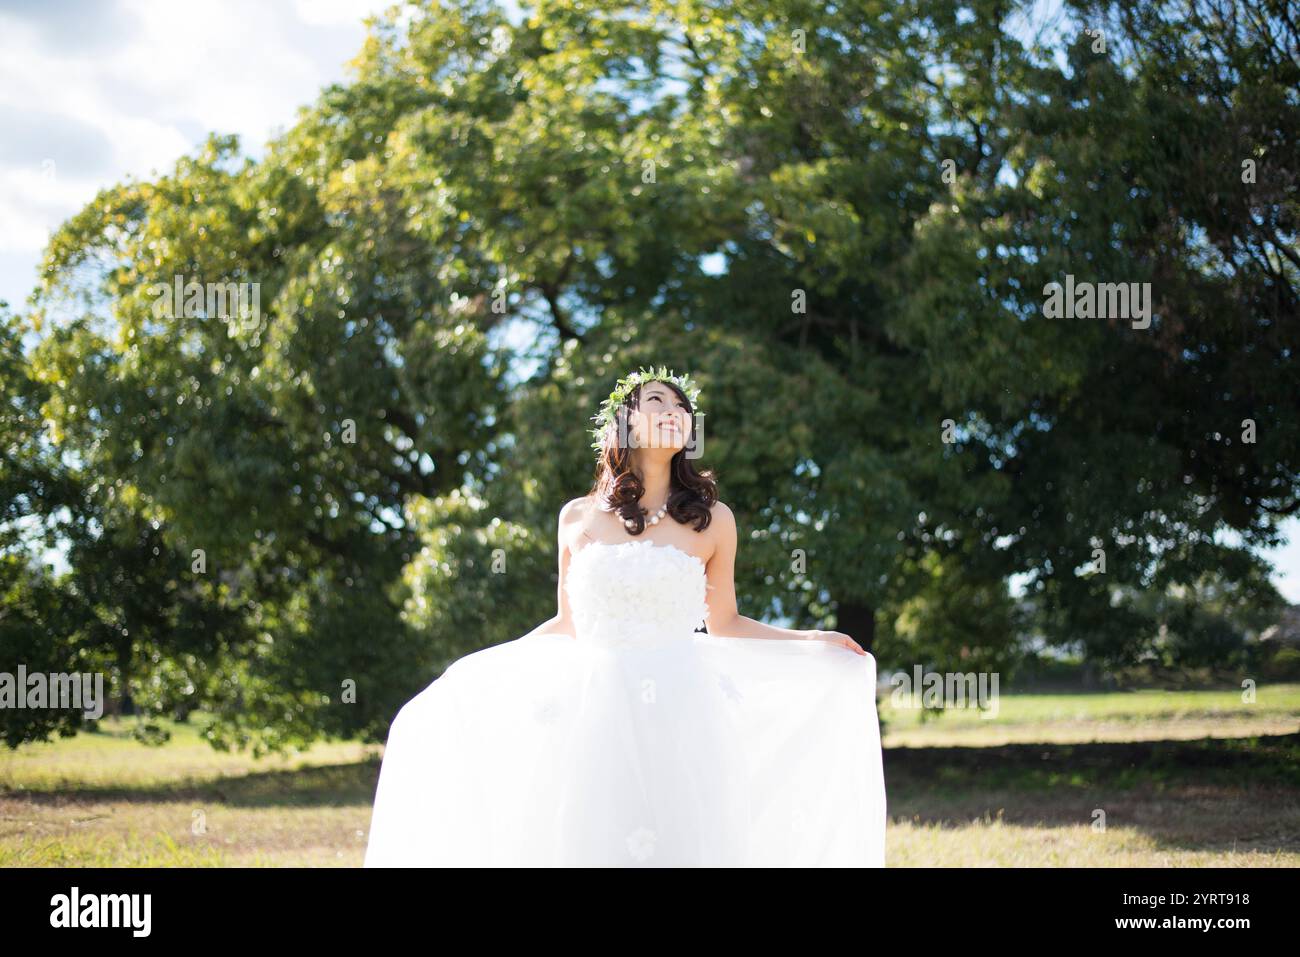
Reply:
x=626, y=386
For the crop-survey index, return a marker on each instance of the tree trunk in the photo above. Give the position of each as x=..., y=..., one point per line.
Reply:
x=858, y=621
x=127, y=704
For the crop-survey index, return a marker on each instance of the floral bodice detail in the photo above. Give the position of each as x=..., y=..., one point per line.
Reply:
x=636, y=593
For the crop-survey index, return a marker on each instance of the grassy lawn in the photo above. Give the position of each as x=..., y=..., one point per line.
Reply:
x=1183, y=779
x=106, y=800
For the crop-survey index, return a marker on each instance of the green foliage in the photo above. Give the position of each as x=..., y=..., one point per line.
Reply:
x=461, y=250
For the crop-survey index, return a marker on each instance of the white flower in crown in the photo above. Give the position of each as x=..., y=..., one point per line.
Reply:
x=608, y=413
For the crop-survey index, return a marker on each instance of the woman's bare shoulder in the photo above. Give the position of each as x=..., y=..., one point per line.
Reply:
x=719, y=512
x=569, y=525
x=575, y=505
x=721, y=533
x=575, y=513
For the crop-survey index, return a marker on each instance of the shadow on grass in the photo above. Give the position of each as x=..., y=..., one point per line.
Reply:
x=1256, y=759
x=330, y=785
x=1214, y=793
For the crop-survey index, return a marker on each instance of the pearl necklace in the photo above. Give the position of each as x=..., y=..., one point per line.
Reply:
x=654, y=520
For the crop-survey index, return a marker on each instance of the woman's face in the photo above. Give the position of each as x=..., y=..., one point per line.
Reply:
x=662, y=421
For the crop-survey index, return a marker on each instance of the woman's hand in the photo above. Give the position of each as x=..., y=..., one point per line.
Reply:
x=836, y=638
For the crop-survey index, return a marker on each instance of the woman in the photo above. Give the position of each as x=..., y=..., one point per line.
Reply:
x=616, y=734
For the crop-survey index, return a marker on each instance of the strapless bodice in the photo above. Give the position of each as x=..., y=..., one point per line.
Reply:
x=635, y=593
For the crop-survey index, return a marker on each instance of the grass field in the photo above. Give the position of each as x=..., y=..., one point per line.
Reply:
x=1183, y=779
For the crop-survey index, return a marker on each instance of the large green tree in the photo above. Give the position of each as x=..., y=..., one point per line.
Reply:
x=840, y=218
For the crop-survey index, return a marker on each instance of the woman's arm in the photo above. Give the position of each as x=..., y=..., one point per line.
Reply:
x=743, y=626
x=723, y=618
x=562, y=622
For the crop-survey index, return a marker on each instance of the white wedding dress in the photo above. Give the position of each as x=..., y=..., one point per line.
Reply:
x=637, y=742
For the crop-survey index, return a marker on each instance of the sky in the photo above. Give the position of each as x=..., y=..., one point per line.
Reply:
x=96, y=91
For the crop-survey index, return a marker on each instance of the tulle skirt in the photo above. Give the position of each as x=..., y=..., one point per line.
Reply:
x=551, y=751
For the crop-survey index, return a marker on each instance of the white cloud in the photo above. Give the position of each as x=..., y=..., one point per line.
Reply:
x=107, y=92
x=333, y=12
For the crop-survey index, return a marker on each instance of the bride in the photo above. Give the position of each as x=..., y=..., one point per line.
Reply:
x=617, y=734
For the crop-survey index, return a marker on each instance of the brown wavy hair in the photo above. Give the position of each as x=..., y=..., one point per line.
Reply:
x=618, y=488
